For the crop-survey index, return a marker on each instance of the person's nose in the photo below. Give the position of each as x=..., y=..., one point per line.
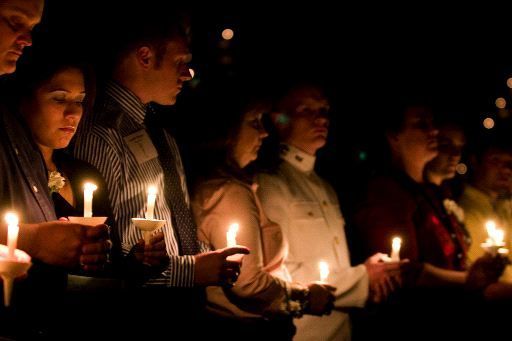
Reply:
x=263, y=133
x=74, y=109
x=185, y=74
x=24, y=39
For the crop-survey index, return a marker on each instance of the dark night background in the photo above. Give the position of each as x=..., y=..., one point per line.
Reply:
x=366, y=55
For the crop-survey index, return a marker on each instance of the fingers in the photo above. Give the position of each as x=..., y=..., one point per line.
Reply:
x=96, y=232
x=228, y=251
x=157, y=238
x=63, y=219
x=330, y=288
x=94, y=259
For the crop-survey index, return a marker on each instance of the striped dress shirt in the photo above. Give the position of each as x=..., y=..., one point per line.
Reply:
x=102, y=142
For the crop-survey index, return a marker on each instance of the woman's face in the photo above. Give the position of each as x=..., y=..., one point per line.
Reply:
x=55, y=109
x=249, y=138
x=418, y=138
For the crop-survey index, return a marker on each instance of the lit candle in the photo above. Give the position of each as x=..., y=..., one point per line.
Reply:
x=231, y=234
x=324, y=270
x=150, y=209
x=496, y=236
x=12, y=233
x=88, y=189
x=395, y=249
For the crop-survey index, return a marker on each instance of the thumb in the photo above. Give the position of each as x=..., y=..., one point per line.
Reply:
x=228, y=251
x=329, y=287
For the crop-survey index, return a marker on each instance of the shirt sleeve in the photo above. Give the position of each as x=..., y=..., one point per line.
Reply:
x=103, y=154
x=256, y=290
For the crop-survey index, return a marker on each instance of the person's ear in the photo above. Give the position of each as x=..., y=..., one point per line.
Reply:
x=145, y=56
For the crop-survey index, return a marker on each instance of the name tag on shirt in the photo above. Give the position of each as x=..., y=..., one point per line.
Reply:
x=141, y=146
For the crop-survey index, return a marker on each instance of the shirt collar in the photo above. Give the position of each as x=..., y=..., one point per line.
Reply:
x=297, y=158
x=128, y=101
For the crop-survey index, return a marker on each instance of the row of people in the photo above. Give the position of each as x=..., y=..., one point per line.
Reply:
x=290, y=221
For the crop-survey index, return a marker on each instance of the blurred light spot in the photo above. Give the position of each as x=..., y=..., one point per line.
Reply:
x=509, y=82
x=461, y=168
x=192, y=72
x=362, y=155
x=500, y=102
x=488, y=123
x=228, y=34
x=283, y=119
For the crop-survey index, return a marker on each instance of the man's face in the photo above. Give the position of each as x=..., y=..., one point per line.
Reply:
x=451, y=141
x=168, y=75
x=17, y=19
x=309, y=122
x=495, y=170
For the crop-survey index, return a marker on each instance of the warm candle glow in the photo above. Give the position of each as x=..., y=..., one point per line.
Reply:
x=150, y=208
x=89, y=188
x=324, y=270
x=231, y=234
x=396, y=244
x=12, y=232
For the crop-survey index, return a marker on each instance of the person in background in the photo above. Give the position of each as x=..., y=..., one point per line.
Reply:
x=306, y=207
x=264, y=300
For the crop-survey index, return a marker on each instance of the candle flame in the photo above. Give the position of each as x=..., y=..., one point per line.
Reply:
x=231, y=235
x=324, y=270
x=11, y=218
x=88, y=186
x=490, y=226
x=152, y=190
x=396, y=243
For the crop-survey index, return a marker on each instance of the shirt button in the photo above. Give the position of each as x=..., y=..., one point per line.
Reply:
x=459, y=255
x=310, y=214
x=35, y=188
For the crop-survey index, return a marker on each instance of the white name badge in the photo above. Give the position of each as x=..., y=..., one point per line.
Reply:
x=141, y=146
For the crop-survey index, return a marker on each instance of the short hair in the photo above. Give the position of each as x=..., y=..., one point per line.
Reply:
x=290, y=97
x=154, y=25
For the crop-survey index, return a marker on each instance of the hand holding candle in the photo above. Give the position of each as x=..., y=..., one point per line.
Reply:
x=89, y=188
x=324, y=271
x=496, y=239
x=12, y=233
x=150, y=209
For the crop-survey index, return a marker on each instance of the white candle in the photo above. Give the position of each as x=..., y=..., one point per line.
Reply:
x=88, y=189
x=231, y=234
x=12, y=232
x=150, y=208
x=324, y=270
x=395, y=249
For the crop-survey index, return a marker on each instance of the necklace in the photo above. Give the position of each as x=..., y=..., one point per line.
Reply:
x=55, y=181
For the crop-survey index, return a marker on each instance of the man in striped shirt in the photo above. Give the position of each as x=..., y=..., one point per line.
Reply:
x=151, y=67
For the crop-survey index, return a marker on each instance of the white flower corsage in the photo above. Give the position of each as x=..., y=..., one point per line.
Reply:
x=452, y=208
x=55, y=181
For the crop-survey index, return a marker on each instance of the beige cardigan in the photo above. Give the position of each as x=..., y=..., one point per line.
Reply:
x=260, y=289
